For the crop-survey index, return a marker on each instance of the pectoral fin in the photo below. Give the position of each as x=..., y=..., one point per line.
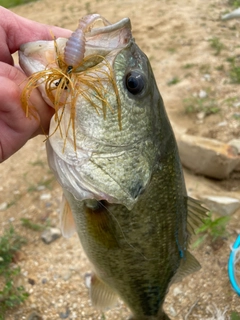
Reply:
x=102, y=296
x=188, y=265
x=67, y=223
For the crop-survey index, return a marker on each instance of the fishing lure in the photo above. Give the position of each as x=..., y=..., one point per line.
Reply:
x=75, y=46
x=72, y=75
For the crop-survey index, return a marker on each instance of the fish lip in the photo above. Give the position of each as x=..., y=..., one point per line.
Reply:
x=124, y=23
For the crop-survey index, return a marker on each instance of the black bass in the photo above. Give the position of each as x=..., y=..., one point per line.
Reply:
x=113, y=150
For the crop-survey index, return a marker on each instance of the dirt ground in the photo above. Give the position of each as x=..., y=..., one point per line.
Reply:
x=176, y=36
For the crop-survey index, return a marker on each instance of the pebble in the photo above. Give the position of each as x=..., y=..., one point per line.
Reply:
x=177, y=291
x=3, y=206
x=50, y=234
x=64, y=315
x=40, y=188
x=45, y=196
x=236, y=104
x=224, y=206
x=34, y=316
x=201, y=115
x=66, y=276
x=172, y=311
x=207, y=77
x=222, y=124
x=202, y=94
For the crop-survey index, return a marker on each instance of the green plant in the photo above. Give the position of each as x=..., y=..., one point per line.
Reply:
x=13, y=3
x=234, y=3
x=234, y=72
x=173, y=81
x=235, y=315
x=215, y=228
x=10, y=294
x=206, y=105
x=217, y=45
x=188, y=65
x=33, y=226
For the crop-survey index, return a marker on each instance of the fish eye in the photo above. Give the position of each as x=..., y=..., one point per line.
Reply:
x=135, y=82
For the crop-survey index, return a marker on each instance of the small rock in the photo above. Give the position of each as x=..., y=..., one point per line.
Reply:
x=236, y=104
x=202, y=94
x=40, y=188
x=207, y=77
x=64, y=315
x=44, y=280
x=34, y=316
x=222, y=205
x=31, y=281
x=236, y=144
x=222, y=124
x=3, y=206
x=201, y=115
x=45, y=196
x=172, y=311
x=177, y=291
x=66, y=276
x=208, y=157
x=51, y=234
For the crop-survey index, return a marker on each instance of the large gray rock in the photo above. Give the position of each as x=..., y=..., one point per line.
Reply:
x=224, y=206
x=207, y=157
x=232, y=15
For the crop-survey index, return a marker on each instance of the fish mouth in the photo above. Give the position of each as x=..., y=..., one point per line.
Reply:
x=109, y=37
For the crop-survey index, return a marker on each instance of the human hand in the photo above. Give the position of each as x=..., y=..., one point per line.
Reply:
x=15, y=128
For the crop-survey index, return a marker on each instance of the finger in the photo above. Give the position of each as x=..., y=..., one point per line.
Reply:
x=44, y=112
x=16, y=30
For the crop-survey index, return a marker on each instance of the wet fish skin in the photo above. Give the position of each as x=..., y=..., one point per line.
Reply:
x=136, y=230
x=137, y=252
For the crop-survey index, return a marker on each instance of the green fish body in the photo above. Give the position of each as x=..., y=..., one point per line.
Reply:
x=124, y=190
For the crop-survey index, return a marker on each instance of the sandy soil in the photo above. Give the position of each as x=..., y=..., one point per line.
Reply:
x=175, y=36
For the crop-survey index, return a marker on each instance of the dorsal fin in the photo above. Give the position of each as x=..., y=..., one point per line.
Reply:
x=196, y=214
x=67, y=223
x=102, y=296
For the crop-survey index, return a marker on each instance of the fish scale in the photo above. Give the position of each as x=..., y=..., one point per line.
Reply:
x=123, y=185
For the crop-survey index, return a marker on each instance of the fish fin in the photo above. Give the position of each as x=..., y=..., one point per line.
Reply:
x=102, y=296
x=196, y=214
x=188, y=265
x=67, y=223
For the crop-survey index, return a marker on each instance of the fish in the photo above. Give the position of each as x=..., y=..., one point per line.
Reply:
x=112, y=149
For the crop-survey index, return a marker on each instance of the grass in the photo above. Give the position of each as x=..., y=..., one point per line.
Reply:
x=195, y=105
x=173, y=81
x=205, y=68
x=13, y=3
x=27, y=223
x=234, y=3
x=235, y=315
x=234, y=71
x=215, y=228
x=11, y=295
x=216, y=45
x=188, y=65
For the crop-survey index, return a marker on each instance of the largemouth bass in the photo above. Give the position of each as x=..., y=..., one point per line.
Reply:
x=112, y=148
